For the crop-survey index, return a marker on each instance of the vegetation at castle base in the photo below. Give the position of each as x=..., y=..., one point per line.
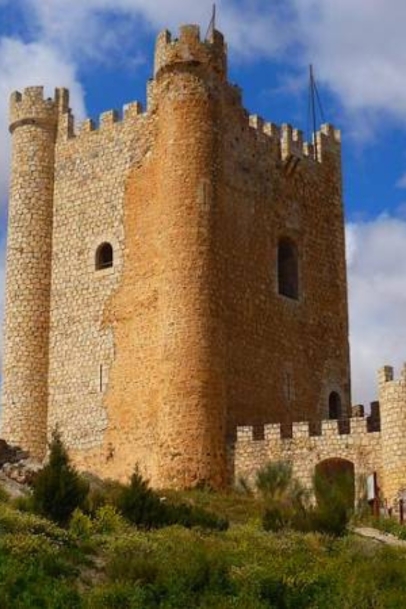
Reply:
x=103, y=562
x=58, y=488
x=387, y=525
x=122, y=550
x=143, y=507
x=288, y=505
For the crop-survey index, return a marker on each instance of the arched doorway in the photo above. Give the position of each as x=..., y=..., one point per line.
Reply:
x=335, y=478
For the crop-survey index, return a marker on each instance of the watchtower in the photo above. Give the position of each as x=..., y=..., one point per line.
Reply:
x=33, y=125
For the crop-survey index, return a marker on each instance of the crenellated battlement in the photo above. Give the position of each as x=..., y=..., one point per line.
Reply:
x=189, y=48
x=290, y=142
x=386, y=375
x=276, y=432
x=304, y=446
x=31, y=107
x=108, y=120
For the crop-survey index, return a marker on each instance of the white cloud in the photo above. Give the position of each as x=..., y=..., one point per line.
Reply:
x=377, y=300
x=22, y=65
x=359, y=48
x=87, y=29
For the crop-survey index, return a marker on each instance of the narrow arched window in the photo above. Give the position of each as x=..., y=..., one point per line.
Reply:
x=334, y=406
x=104, y=256
x=288, y=271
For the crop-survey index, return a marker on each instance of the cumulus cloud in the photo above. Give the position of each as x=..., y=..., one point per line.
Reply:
x=359, y=48
x=87, y=28
x=22, y=65
x=377, y=300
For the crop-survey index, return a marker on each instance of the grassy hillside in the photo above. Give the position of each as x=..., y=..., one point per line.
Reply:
x=106, y=563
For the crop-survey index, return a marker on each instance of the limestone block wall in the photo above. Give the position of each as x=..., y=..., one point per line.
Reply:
x=284, y=356
x=91, y=167
x=33, y=124
x=305, y=451
x=392, y=399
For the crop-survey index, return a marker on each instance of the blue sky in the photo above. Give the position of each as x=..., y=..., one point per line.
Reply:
x=102, y=50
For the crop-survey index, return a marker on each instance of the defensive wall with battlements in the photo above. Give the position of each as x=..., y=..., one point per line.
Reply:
x=372, y=444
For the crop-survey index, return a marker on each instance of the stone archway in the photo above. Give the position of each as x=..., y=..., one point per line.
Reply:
x=339, y=473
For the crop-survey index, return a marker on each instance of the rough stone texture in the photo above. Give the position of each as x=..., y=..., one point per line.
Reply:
x=29, y=254
x=158, y=359
x=392, y=400
x=373, y=444
x=305, y=451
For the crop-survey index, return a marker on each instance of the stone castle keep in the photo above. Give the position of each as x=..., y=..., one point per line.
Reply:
x=176, y=287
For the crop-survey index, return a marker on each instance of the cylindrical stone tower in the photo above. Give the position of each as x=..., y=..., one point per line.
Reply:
x=33, y=125
x=392, y=402
x=189, y=75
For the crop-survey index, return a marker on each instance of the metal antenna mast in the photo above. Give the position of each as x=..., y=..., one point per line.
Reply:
x=313, y=109
x=314, y=99
x=212, y=24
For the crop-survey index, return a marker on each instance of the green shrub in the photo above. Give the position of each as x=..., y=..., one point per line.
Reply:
x=24, y=503
x=80, y=525
x=107, y=520
x=335, y=503
x=4, y=496
x=58, y=489
x=287, y=504
x=286, y=500
x=142, y=506
x=119, y=595
x=274, y=480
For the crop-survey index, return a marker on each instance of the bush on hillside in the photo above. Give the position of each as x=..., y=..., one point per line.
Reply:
x=287, y=504
x=58, y=489
x=4, y=496
x=286, y=500
x=142, y=506
x=334, y=503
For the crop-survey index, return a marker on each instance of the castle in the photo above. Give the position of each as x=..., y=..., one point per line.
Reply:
x=176, y=287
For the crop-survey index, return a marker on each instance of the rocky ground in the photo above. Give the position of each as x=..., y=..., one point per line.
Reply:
x=17, y=469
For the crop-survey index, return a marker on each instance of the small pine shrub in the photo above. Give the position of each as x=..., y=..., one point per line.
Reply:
x=58, y=489
x=80, y=525
x=107, y=520
x=142, y=506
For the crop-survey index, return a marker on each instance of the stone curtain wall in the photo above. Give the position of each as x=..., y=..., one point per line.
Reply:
x=305, y=451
